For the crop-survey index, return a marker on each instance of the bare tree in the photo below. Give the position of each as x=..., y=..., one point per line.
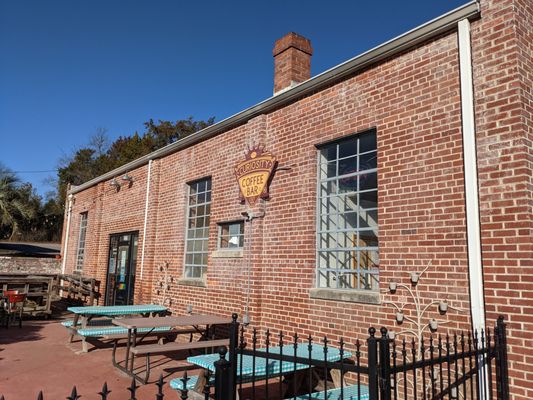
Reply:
x=99, y=141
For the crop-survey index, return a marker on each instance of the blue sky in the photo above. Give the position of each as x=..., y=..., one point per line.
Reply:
x=70, y=67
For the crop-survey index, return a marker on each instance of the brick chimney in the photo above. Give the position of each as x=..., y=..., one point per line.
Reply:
x=292, y=61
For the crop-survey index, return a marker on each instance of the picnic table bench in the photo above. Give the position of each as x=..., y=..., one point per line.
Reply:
x=85, y=326
x=346, y=393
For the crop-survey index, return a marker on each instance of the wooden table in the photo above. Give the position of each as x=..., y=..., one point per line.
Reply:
x=196, y=322
x=83, y=315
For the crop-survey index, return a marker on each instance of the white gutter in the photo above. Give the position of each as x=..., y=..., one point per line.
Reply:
x=146, y=214
x=67, y=233
x=475, y=267
x=414, y=37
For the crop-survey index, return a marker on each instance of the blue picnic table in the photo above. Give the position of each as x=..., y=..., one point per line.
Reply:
x=254, y=368
x=117, y=310
x=257, y=366
x=82, y=325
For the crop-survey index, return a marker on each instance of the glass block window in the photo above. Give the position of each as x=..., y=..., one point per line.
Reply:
x=81, y=241
x=198, y=219
x=347, y=217
x=231, y=235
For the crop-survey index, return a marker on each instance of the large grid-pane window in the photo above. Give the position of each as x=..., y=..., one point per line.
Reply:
x=81, y=241
x=347, y=225
x=198, y=218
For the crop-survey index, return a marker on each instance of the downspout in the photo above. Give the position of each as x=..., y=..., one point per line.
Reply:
x=67, y=233
x=146, y=203
x=475, y=265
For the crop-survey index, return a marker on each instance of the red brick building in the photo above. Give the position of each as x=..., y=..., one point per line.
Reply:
x=416, y=153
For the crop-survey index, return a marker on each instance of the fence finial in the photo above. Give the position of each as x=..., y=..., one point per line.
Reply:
x=105, y=391
x=372, y=331
x=383, y=331
x=133, y=389
x=73, y=394
x=207, y=387
x=160, y=382
x=184, y=391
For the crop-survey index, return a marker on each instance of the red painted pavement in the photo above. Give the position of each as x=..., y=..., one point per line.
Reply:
x=38, y=357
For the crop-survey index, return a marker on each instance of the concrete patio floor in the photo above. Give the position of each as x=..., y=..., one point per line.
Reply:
x=37, y=357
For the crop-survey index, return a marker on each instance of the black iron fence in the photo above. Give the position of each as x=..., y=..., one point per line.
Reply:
x=262, y=365
x=461, y=366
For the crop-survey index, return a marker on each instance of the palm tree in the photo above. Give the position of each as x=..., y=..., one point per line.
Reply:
x=13, y=208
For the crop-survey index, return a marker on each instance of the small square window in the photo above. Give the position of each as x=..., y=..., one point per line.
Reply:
x=231, y=235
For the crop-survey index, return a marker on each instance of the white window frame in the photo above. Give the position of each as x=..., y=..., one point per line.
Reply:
x=82, y=235
x=188, y=268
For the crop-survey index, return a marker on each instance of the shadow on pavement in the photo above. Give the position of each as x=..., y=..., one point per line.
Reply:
x=29, y=332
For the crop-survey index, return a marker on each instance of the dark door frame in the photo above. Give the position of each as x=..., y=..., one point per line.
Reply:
x=110, y=293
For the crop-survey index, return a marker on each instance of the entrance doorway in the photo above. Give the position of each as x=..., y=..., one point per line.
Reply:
x=121, y=268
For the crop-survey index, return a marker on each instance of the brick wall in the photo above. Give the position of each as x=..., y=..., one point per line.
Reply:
x=413, y=101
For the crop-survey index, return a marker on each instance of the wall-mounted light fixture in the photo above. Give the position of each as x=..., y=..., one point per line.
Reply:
x=399, y=317
x=433, y=324
x=127, y=178
x=114, y=183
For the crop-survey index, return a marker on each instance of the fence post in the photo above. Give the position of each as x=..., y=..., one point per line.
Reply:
x=384, y=361
x=222, y=376
x=372, y=365
x=233, y=345
x=502, y=370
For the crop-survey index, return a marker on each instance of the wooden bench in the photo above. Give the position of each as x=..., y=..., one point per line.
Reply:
x=174, y=347
x=168, y=348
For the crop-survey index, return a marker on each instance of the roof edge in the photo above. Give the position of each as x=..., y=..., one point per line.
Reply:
x=435, y=27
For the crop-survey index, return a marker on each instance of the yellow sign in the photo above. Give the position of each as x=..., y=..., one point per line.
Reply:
x=253, y=174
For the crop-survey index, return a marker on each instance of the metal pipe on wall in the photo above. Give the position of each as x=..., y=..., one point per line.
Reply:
x=475, y=262
x=67, y=233
x=147, y=201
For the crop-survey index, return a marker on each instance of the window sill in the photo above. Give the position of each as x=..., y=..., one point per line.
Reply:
x=352, y=296
x=227, y=254
x=192, y=282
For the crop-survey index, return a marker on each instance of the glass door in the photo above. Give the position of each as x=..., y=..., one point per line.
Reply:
x=121, y=268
